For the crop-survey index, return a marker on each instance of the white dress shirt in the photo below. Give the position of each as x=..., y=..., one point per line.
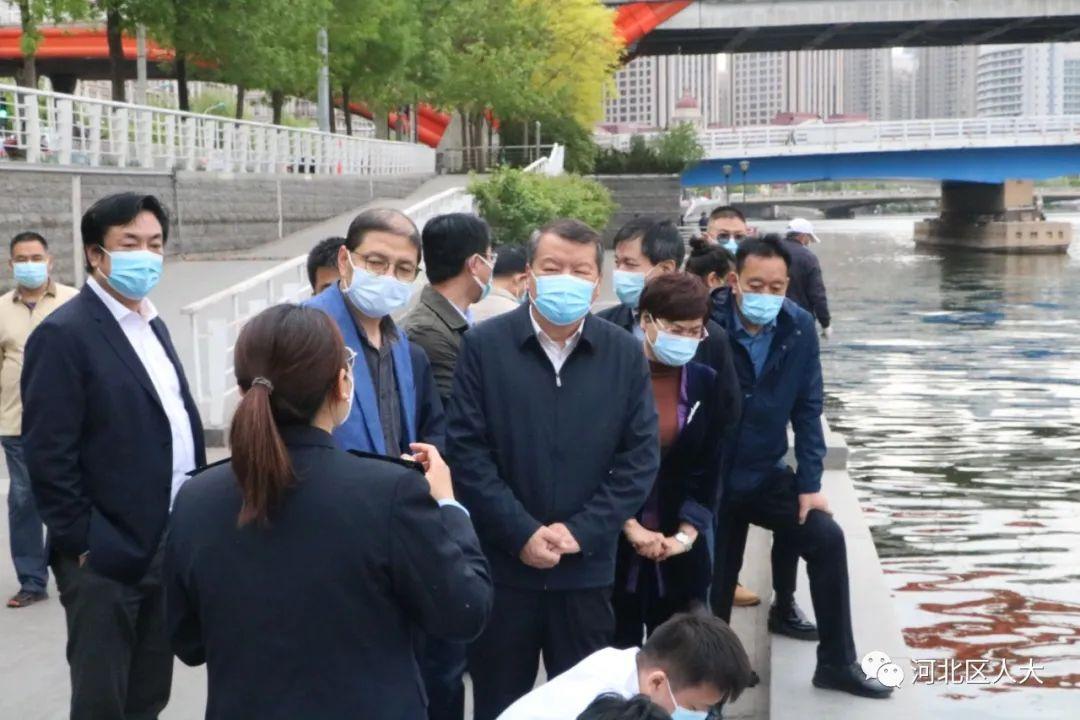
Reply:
x=556, y=353
x=137, y=330
x=605, y=671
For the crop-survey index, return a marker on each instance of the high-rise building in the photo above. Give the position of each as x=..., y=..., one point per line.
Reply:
x=945, y=82
x=765, y=84
x=902, y=93
x=1071, y=82
x=868, y=83
x=648, y=89
x=1014, y=80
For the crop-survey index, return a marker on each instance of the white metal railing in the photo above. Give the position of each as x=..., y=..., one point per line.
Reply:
x=47, y=127
x=215, y=321
x=813, y=138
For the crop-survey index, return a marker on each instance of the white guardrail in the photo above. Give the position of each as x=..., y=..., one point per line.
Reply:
x=52, y=128
x=810, y=139
x=215, y=321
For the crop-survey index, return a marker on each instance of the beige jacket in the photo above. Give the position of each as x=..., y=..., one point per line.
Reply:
x=17, y=321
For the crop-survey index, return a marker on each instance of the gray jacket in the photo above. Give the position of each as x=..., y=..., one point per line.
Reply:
x=437, y=326
x=807, y=288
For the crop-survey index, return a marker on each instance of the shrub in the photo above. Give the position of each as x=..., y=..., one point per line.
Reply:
x=515, y=203
x=671, y=152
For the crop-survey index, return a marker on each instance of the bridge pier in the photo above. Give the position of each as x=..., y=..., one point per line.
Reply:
x=992, y=217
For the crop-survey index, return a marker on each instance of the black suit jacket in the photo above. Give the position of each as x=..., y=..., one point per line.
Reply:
x=96, y=439
x=314, y=615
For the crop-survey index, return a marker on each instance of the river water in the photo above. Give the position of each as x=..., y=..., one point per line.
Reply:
x=955, y=380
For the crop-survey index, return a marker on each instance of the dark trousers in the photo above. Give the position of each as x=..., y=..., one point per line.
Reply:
x=564, y=626
x=785, y=569
x=27, y=534
x=819, y=541
x=442, y=665
x=118, y=648
x=640, y=612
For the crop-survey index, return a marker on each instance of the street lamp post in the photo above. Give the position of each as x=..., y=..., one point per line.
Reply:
x=744, y=166
x=727, y=184
x=323, y=45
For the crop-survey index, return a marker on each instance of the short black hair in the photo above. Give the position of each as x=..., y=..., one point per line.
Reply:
x=323, y=255
x=450, y=240
x=610, y=706
x=706, y=258
x=510, y=261
x=28, y=236
x=662, y=242
x=765, y=247
x=698, y=649
x=117, y=211
x=727, y=211
x=382, y=220
x=573, y=230
x=633, y=229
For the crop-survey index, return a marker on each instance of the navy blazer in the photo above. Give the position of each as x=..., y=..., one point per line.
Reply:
x=530, y=447
x=714, y=351
x=422, y=416
x=789, y=389
x=96, y=438
x=314, y=615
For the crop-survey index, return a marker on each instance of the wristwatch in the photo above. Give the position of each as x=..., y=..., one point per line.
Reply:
x=684, y=540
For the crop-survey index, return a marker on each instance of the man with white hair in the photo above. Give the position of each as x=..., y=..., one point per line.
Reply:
x=807, y=288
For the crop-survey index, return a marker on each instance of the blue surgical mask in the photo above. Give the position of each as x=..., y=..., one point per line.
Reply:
x=377, y=295
x=681, y=713
x=732, y=246
x=563, y=299
x=31, y=275
x=628, y=286
x=759, y=308
x=485, y=288
x=134, y=273
x=673, y=350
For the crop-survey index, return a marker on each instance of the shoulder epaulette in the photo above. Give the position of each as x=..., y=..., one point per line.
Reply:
x=410, y=464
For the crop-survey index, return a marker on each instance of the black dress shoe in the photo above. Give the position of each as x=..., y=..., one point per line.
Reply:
x=792, y=623
x=850, y=679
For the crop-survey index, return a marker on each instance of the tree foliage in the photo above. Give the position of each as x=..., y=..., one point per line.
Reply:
x=671, y=152
x=515, y=202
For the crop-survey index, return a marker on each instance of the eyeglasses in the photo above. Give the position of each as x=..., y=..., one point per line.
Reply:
x=380, y=265
x=693, y=334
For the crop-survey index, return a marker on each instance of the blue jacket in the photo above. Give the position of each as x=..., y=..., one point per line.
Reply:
x=421, y=410
x=528, y=447
x=97, y=440
x=789, y=389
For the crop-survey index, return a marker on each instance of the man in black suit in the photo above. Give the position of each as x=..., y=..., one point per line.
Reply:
x=110, y=433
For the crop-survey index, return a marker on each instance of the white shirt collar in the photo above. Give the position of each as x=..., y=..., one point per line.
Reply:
x=147, y=311
x=568, y=346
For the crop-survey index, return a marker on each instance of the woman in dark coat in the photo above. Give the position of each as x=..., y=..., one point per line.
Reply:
x=663, y=565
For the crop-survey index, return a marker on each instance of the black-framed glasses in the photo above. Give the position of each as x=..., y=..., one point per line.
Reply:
x=380, y=265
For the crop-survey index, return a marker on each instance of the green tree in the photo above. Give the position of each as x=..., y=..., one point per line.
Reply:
x=32, y=13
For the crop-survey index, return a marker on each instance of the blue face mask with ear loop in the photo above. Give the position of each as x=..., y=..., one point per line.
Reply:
x=672, y=350
x=681, y=713
x=134, y=273
x=563, y=299
x=760, y=308
x=485, y=288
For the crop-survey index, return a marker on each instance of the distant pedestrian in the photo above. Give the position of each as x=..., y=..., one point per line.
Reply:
x=110, y=432
x=807, y=287
x=510, y=284
x=35, y=296
x=322, y=264
x=703, y=221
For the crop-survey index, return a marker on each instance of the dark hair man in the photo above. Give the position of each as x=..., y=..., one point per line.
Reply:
x=34, y=298
x=727, y=227
x=509, y=286
x=807, y=288
x=110, y=433
x=322, y=264
x=549, y=495
x=396, y=402
x=779, y=368
x=459, y=265
x=690, y=665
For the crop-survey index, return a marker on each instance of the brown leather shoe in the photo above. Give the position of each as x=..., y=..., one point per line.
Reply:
x=745, y=598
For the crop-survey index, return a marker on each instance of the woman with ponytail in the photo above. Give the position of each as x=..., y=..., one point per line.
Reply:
x=300, y=573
